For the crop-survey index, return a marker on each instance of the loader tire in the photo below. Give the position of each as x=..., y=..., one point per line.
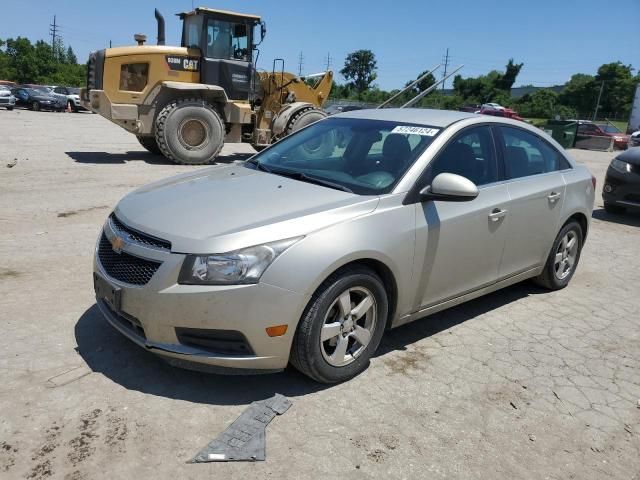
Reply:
x=312, y=150
x=189, y=131
x=150, y=144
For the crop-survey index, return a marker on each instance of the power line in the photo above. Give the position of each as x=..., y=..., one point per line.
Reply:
x=446, y=64
x=54, y=28
x=328, y=61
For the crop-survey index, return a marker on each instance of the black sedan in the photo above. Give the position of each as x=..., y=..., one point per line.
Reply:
x=622, y=184
x=37, y=99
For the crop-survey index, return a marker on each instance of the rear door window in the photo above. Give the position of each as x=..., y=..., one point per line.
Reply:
x=526, y=154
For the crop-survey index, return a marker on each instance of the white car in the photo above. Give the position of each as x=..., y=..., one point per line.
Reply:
x=7, y=100
x=73, y=96
x=495, y=106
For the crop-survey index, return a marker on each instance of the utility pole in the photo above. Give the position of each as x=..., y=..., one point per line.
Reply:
x=446, y=64
x=595, y=112
x=300, y=64
x=53, y=30
x=109, y=43
x=328, y=61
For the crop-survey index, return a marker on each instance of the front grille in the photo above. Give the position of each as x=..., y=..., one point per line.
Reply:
x=124, y=267
x=139, y=237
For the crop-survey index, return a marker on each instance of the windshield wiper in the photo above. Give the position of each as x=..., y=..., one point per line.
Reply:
x=299, y=176
x=310, y=179
x=260, y=166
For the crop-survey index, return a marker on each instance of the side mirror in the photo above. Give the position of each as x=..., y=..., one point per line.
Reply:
x=449, y=187
x=263, y=32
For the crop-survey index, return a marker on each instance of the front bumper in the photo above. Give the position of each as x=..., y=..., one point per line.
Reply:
x=7, y=101
x=625, y=188
x=124, y=115
x=150, y=314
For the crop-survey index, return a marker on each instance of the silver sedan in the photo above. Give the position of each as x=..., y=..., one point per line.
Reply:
x=309, y=251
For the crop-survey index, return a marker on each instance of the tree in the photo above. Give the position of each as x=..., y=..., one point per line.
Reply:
x=619, y=86
x=580, y=93
x=70, y=57
x=508, y=78
x=360, y=69
x=489, y=87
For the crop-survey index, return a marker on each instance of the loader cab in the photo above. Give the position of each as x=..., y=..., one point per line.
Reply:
x=226, y=42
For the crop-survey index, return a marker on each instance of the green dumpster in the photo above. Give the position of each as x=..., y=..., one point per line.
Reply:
x=562, y=131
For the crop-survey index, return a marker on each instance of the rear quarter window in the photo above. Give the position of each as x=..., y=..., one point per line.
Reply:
x=527, y=154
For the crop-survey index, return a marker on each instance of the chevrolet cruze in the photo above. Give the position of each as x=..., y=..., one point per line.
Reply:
x=310, y=250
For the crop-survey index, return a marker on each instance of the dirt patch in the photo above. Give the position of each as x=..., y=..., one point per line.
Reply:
x=82, y=445
x=377, y=455
x=41, y=470
x=405, y=362
x=117, y=432
x=7, y=273
x=70, y=213
x=390, y=442
x=7, y=456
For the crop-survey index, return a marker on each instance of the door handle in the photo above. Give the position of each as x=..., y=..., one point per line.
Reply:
x=553, y=196
x=496, y=214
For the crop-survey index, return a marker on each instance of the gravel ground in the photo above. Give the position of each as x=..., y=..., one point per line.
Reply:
x=519, y=384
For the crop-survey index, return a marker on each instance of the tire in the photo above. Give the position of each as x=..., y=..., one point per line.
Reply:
x=614, y=209
x=35, y=106
x=320, y=360
x=309, y=150
x=185, y=122
x=150, y=144
x=558, y=271
x=72, y=106
x=9, y=108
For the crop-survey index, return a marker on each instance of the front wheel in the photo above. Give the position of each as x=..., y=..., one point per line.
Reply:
x=341, y=327
x=72, y=106
x=189, y=131
x=35, y=106
x=563, y=258
x=9, y=108
x=150, y=144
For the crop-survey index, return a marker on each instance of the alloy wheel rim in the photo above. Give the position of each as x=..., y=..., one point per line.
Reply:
x=566, y=255
x=348, y=326
x=193, y=134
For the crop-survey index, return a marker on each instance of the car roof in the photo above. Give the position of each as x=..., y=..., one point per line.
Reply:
x=424, y=116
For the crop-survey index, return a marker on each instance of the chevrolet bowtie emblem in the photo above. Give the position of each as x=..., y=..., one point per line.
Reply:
x=117, y=244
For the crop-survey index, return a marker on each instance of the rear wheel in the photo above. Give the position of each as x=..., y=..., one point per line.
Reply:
x=35, y=106
x=150, y=144
x=611, y=208
x=563, y=258
x=341, y=327
x=189, y=131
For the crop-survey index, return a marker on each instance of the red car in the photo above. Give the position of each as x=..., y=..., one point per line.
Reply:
x=590, y=129
x=505, y=112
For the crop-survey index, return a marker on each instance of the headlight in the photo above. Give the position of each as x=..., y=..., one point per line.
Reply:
x=620, y=166
x=233, y=268
x=46, y=101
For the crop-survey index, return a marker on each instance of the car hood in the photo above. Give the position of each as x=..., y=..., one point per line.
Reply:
x=632, y=156
x=5, y=93
x=220, y=209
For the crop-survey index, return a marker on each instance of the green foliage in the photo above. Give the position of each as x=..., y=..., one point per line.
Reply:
x=619, y=86
x=492, y=87
x=360, y=69
x=581, y=93
x=23, y=62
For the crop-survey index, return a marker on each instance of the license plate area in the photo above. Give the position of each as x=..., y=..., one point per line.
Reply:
x=110, y=294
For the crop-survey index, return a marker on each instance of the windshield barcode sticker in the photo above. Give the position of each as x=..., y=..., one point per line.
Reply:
x=427, y=132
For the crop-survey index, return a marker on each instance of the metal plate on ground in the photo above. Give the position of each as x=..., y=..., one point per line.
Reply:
x=245, y=439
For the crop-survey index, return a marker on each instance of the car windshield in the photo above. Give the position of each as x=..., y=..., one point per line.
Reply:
x=610, y=129
x=33, y=91
x=73, y=91
x=366, y=157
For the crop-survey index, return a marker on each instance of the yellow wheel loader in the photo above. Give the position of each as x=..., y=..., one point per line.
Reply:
x=186, y=102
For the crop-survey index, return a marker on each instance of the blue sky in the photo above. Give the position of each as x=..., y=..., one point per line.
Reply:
x=552, y=38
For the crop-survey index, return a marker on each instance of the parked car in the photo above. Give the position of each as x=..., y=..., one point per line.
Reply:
x=634, y=139
x=621, y=188
x=590, y=129
x=504, y=112
x=330, y=246
x=73, y=97
x=38, y=100
x=7, y=100
x=494, y=106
